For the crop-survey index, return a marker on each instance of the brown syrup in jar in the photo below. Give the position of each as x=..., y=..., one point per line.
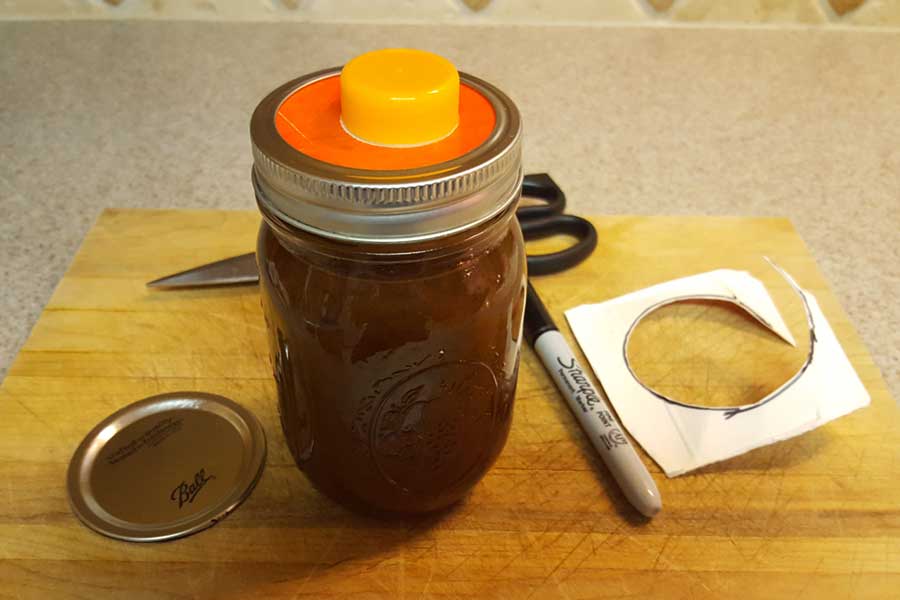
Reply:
x=396, y=365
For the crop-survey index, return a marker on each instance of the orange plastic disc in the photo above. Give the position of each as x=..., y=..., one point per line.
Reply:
x=309, y=120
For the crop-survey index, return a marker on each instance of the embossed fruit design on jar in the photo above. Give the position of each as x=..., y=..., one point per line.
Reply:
x=392, y=275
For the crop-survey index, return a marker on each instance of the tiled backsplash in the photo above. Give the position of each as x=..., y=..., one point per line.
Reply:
x=812, y=12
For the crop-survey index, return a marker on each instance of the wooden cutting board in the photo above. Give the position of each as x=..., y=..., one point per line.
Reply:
x=813, y=517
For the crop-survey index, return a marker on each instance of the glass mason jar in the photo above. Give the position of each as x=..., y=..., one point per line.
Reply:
x=393, y=300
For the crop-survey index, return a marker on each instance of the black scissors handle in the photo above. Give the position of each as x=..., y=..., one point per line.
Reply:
x=538, y=221
x=545, y=220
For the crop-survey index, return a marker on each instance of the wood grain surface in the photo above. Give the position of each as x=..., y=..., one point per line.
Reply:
x=817, y=516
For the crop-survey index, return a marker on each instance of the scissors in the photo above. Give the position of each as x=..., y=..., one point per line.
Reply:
x=537, y=221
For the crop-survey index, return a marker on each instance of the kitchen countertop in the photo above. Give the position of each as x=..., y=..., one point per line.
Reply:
x=645, y=120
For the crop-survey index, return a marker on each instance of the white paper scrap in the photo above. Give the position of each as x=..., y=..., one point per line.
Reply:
x=680, y=437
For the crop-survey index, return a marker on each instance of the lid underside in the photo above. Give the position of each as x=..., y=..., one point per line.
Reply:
x=166, y=466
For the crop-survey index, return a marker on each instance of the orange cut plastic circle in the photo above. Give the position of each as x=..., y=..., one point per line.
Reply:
x=309, y=121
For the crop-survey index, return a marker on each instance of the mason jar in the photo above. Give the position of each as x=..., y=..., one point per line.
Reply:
x=392, y=278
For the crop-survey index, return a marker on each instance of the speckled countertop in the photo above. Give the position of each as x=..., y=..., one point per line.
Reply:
x=650, y=120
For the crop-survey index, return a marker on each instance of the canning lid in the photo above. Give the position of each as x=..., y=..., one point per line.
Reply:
x=166, y=467
x=395, y=147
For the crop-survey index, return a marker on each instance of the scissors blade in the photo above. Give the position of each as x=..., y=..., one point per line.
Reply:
x=230, y=271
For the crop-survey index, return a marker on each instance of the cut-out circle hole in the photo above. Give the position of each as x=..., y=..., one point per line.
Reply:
x=714, y=354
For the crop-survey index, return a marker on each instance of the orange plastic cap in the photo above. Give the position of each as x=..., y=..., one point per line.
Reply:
x=400, y=97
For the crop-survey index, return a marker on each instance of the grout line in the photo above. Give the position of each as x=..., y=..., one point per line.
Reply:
x=646, y=23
